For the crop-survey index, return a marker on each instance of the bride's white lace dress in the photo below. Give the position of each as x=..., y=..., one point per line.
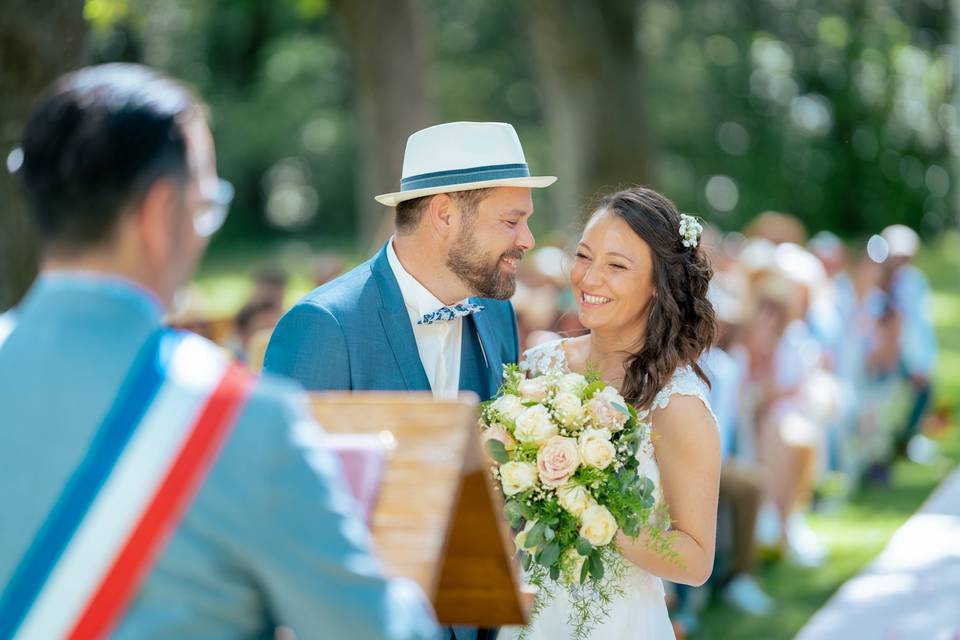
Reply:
x=641, y=613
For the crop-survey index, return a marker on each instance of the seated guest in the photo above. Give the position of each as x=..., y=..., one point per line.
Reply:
x=253, y=319
x=741, y=479
x=153, y=488
x=269, y=283
x=910, y=295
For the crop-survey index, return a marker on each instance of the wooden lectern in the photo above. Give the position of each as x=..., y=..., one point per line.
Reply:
x=437, y=519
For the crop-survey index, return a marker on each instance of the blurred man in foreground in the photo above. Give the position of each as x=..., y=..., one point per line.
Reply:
x=153, y=488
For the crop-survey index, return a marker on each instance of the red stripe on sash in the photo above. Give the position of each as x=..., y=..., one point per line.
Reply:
x=167, y=506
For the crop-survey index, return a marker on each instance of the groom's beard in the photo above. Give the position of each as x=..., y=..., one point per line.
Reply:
x=480, y=272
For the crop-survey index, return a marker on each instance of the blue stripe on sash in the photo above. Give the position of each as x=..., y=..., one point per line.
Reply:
x=136, y=394
x=463, y=176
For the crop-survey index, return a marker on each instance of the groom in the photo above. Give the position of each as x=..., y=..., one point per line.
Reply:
x=430, y=311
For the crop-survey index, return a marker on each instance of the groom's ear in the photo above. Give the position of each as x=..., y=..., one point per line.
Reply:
x=440, y=215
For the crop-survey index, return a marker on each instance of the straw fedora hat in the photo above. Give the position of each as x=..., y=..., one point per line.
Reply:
x=459, y=156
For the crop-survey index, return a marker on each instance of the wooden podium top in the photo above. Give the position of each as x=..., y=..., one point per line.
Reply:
x=437, y=519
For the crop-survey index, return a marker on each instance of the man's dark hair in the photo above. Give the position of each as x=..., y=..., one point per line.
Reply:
x=95, y=142
x=409, y=212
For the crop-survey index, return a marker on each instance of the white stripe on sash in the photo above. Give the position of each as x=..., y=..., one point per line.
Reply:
x=191, y=378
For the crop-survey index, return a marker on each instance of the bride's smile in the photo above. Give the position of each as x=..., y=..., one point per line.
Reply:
x=590, y=300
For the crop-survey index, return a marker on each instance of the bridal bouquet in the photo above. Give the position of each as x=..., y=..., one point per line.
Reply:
x=564, y=448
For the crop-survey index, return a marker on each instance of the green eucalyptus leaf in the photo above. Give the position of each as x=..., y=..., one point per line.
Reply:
x=535, y=536
x=646, y=486
x=497, y=451
x=549, y=555
x=596, y=566
x=584, y=547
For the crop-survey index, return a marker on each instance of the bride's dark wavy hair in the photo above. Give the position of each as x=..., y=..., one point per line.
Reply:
x=681, y=323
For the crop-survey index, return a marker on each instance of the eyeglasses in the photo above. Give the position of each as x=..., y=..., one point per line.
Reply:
x=213, y=209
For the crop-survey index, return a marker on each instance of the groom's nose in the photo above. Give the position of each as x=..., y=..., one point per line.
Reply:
x=525, y=239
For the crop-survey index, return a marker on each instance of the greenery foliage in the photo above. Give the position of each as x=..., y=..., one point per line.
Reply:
x=838, y=112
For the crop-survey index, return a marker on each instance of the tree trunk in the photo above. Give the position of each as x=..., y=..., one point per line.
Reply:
x=39, y=40
x=389, y=57
x=590, y=71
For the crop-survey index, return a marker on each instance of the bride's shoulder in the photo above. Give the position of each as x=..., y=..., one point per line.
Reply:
x=544, y=357
x=684, y=382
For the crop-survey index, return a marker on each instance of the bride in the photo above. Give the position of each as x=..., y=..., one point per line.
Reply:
x=640, y=281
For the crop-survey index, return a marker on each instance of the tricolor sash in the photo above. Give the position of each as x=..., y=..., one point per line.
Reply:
x=123, y=501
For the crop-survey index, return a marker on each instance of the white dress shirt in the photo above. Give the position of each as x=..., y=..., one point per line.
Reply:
x=439, y=343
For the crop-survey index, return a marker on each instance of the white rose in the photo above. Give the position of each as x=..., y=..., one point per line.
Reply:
x=599, y=525
x=534, y=389
x=521, y=537
x=517, y=477
x=574, y=498
x=568, y=408
x=572, y=383
x=509, y=406
x=595, y=447
x=535, y=425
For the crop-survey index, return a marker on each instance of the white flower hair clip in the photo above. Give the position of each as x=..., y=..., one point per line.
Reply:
x=690, y=230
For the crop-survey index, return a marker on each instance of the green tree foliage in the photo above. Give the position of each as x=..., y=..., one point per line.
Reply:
x=838, y=112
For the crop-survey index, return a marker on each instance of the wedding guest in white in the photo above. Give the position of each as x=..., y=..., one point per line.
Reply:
x=741, y=479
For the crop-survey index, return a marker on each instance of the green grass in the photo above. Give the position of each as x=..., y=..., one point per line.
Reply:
x=857, y=532
x=854, y=535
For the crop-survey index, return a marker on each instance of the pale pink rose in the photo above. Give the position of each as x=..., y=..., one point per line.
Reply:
x=534, y=389
x=603, y=414
x=497, y=432
x=557, y=461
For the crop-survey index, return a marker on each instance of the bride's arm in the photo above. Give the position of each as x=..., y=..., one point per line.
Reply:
x=688, y=454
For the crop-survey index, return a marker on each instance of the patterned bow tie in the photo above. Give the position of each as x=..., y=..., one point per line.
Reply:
x=453, y=312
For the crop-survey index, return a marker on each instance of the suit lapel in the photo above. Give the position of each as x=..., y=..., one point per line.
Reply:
x=396, y=326
x=473, y=371
x=490, y=348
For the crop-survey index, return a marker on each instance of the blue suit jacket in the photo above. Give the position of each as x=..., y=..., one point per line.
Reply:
x=272, y=537
x=354, y=333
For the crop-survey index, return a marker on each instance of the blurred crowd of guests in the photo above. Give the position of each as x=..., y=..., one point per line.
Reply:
x=821, y=376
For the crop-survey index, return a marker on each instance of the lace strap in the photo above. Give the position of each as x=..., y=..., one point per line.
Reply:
x=684, y=382
x=542, y=358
